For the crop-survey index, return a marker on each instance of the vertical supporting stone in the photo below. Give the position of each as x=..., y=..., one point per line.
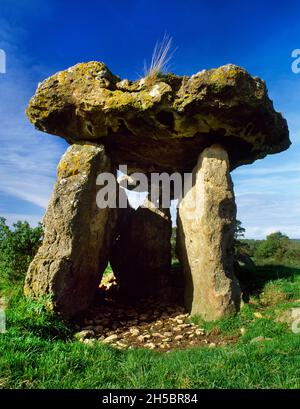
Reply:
x=205, y=230
x=141, y=257
x=75, y=248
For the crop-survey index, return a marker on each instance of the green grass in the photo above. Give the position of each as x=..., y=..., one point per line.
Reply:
x=38, y=350
x=108, y=270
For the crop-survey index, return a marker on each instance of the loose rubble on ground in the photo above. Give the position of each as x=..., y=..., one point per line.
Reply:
x=150, y=324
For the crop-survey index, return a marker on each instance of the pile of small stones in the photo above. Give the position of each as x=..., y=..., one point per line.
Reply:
x=148, y=324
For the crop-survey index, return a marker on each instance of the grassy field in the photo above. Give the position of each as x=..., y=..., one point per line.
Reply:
x=38, y=350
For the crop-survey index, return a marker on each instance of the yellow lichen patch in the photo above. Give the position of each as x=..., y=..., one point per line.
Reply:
x=61, y=76
x=226, y=74
x=79, y=162
x=122, y=101
x=68, y=168
x=90, y=67
x=119, y=99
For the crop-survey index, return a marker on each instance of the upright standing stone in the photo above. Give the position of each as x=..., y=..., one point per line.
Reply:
x=206, y=219
x=141, y=257
x=77, y=233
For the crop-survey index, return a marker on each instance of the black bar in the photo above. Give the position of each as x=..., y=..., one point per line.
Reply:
x=147, y=397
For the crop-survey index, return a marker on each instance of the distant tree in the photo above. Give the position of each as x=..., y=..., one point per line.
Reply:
x=240, y=247
x=275, y=246
x=252, y=246
x=17, y=248
x=239, y=230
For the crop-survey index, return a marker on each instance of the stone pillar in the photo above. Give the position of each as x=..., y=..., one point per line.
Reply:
x=141, y=257
x=74, y=252
x=205, y=230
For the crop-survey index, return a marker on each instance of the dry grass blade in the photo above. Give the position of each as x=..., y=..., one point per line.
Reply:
x=160, y=58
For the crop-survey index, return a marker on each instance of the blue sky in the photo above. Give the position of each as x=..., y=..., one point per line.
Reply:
x=41, y=37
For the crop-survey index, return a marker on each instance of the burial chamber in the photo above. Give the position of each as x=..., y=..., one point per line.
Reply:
x=205, y=126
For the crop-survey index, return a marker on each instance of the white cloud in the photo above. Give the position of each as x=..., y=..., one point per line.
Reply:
x=263, y=171
x=28, y=158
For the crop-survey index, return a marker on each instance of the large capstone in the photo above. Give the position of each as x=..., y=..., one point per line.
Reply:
x=77, y=236
x=162, y=125
x=205, y=230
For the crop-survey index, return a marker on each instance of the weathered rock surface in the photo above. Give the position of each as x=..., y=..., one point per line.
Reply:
x=77, y=233
x=291, y=317
x=162, y=125
x=205, y=229
x=84, y=334
x=141, y=256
